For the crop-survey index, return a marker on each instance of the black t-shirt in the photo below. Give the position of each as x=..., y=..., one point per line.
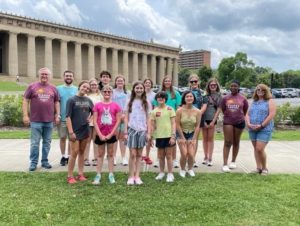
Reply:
x=79, y=109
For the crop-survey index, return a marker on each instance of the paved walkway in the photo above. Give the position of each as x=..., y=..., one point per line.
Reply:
x=283, y=157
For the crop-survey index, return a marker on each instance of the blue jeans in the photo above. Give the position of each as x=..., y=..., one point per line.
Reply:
x=40, y=130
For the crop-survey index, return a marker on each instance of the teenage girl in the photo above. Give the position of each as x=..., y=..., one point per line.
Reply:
x=137, y=130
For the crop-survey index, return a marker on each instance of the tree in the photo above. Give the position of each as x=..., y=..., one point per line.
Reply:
x=183, y=77
x=204, y=73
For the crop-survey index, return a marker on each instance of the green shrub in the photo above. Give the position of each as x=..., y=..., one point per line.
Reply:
x=295, y=116
x=11, y=110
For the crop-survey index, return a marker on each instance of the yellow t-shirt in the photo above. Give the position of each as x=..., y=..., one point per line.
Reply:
x=162, y=118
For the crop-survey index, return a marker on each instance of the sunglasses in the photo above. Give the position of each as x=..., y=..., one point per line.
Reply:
x=193, y=81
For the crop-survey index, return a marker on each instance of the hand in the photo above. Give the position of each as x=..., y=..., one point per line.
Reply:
x=108, y=136
x=57, y=120
x=72, y=136
x=172, y=141
x=125, y=136
x=26, y=120
x=181, y=141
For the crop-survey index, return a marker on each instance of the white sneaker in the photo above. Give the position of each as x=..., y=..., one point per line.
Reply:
x=156, y=164
x=160, y=176
x=196, y=165
x=138, y=181
x=175, y=164
x=191, y=173
x=124, y=161
x=204, y=162
x=115, y=161
x=182, y=173
x=226, y=169
x=170, y=177
x=130, y=181
x=209, y=163
x=232, y=165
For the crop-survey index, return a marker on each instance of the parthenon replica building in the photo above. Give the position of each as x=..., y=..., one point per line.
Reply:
x=28, y=44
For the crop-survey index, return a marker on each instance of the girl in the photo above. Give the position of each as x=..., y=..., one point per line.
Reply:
x=95, y=96
x=150, y=98
x=78, y=113
x=163, y=128
x=173, y=101
x=187, y=124
x=120, y=96
x=210, y=118
x=137, y=130
x=234, y=107
x=107, y=116
x=259, y=120
x=200, y=103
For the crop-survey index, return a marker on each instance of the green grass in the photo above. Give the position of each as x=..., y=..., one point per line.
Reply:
x=207, y=199
x=11, y=86
x=20, y=134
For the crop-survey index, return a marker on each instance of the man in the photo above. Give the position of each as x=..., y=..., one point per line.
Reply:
x=65, y=91
x=43, y=100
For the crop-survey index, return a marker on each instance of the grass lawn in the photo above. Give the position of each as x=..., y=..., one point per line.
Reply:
x=207, y=199
x=11, y=86
x=284, y=135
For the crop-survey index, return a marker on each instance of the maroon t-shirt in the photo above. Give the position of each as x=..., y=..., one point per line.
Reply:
x=42, y=98
x=234, y=108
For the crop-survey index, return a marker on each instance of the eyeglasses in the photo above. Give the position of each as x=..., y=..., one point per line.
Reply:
x=106, y=91
x=193, y=81
x=213, y=85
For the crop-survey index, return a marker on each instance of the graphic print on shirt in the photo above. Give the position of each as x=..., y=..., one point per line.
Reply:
x=43, y=95
x=106, y=118
x=232, y=106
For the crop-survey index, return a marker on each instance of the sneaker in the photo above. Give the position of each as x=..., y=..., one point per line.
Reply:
x=46, y=165
x=71, y=180
x=32, y=167
x=81, y=177
x=256, y=171
x=209, y=163
x=182, y=173
x=87, y=162
x=147, y=160
x=97, y=179
x=226, y=169
x=170, y=177
x=175, y=164
x=130, y=181
x=204, y=162
x=67, y=160
x=196, y=165
x=264, y=172
x=111, y=178
x=138, y=181
x=156, y=164
x=115, y=161
x=232, y=165
x=160, y=176
x=191, y=173
x=94, y=162
x=124, y=161
x=63, y=161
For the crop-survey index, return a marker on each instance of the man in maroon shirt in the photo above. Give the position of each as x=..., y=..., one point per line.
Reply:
x=41, y=99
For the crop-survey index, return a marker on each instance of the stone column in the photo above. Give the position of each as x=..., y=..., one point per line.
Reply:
x=48, y=54
x=153, y=69
x=135, y=71
x=63, y=57
x=13, y=68
x=78, y=62
x=161, y=69
x=144, y=66
x=169, y=66
x=115, y=70
x=175, y=72
x=125, y=65
x=103, y=59
x=31, y=58
x=91, y=62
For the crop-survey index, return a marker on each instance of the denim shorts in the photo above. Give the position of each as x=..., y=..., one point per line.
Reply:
x=263, y=136
x=188, y=136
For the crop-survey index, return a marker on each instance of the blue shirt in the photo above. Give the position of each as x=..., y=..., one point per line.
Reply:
x=65, y=92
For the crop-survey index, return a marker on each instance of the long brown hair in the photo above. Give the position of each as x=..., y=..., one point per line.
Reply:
x=124, y=86
x=163, y=88
x=266, y=89
x=143, y=98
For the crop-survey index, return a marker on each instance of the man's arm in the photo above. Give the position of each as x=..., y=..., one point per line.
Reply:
x=25, y=106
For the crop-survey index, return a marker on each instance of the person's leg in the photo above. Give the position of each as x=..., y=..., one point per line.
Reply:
x=210, y=142
x=138, y=159
x=62, y=145
x=87, y=150
x=122, y=148
x=95, y=147
x=100, y=158
x=47, y=137
x=236, y=142
x=205, y=143
x=35, y=137
x=260, y=149
x=228, y=140
x=82, y=148
x=110, y=155
x=169, y=156
x=161, y=156
x=115, y=147
x=183, y=154
x=190, y=154
x=72, y=159
x=132, y=160
x=256, y=155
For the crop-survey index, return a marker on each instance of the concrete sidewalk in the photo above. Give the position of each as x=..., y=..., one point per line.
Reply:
x=283, y=157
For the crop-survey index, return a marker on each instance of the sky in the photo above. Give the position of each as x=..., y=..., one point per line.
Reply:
x=268, y=31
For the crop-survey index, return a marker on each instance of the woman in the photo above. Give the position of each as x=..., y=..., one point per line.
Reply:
x=187, y=124
x=95, y=96
x=107, y=117
x=210, y=118
x=150, y=98
x=259, y=119
x=200, y=103
x=234, y=107
x=120, y=96
x=174, y=101
x=78, y=114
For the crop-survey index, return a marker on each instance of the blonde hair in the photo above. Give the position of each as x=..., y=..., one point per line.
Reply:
x=266, y=89
x=107, y=87
x=195, y=76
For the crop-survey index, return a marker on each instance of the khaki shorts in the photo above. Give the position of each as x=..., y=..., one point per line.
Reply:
x=62, y=130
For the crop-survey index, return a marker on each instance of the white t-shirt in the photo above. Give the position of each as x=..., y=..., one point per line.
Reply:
x=137, y=119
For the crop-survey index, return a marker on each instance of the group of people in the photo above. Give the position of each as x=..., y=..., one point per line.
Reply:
x=106, y=116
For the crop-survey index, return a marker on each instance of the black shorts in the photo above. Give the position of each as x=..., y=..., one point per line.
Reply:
x=240, y=125
x=163, y=142
x=209, y=121
x=112, y=140
x=202, y=122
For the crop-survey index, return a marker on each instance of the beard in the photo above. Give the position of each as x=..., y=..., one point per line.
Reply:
x=68, y=81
